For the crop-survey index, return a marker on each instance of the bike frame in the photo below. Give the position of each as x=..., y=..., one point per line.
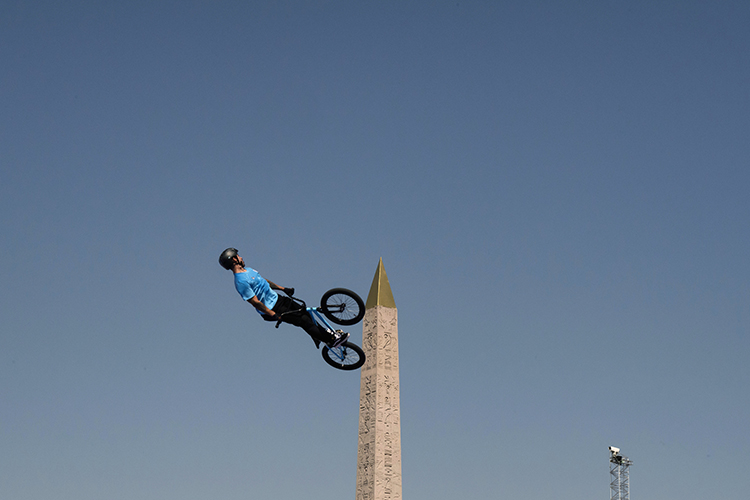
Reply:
x=336, y=354
x=318, y=318
x=314, y=313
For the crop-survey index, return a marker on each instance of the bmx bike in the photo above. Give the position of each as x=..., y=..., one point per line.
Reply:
x=343, y=307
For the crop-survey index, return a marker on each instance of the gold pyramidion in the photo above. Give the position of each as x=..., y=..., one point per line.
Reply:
x=380, y=291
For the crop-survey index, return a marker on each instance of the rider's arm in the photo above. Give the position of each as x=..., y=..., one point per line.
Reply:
x=287, y=290
x=256, y=303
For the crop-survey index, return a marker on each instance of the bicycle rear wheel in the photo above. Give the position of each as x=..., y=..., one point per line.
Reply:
x=347, y=356
x=342, y=306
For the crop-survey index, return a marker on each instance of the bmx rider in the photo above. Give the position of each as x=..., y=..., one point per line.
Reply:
x=269, y=304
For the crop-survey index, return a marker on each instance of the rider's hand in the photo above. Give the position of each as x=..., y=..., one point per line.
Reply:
x=289, y=291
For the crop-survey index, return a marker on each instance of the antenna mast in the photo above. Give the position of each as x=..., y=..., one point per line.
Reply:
x=619, y=471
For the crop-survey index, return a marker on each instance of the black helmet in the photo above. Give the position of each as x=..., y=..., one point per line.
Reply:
x=226, y=259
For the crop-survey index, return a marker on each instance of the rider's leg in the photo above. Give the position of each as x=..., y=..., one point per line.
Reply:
x=298, y=316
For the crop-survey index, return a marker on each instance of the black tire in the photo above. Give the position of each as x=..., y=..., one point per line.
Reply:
x=347, y=356
x=342, y=306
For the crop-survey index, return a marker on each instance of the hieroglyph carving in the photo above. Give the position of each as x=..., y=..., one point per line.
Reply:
x=379, y=449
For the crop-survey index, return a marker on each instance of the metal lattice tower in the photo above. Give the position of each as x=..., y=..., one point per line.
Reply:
x=619, y=471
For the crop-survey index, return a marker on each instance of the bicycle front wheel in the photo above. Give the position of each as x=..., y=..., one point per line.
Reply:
x=347, y=356
x=342, y=306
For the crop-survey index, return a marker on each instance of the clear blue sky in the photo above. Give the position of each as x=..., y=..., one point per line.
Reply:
x=558, y=190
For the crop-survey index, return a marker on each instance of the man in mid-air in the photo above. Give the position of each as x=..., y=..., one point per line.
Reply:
x=272, y=306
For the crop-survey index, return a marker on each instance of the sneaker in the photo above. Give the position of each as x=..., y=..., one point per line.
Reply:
x=339, y=338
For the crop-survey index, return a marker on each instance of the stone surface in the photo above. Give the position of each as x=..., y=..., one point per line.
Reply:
x=379, y=447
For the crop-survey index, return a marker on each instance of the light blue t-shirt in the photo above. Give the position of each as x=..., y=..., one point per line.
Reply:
x=250, y=283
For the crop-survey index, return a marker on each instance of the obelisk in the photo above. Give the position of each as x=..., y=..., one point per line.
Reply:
x=379, y=449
